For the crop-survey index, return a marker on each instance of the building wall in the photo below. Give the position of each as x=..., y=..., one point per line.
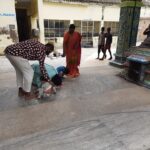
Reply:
x=83, y=12
x=79, y=12
x=145, y=12
x=109, y=10
x=8, y=25
x=70, y=11
x=61, y=11
x=34, y=14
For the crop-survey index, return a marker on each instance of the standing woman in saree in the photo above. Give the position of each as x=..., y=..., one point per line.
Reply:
x=72, y=50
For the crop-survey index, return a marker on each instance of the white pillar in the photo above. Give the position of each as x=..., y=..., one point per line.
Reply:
x=41, y=20
x=102, y=18
x=71, y=21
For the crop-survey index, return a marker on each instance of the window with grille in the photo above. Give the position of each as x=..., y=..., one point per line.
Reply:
x=113, y=25
x=97, y=25
x=88, y=30
x=55, y=28
x=77, y=23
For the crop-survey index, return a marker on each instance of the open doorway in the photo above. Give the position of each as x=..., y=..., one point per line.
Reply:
x=23, y=23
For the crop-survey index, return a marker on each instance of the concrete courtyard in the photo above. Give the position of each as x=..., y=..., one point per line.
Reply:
x=97, y=111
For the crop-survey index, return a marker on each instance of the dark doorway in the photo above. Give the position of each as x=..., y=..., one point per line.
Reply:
x=23, y=24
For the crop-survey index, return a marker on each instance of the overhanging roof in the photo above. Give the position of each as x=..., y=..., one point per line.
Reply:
x=146, y=2
x=86, y=1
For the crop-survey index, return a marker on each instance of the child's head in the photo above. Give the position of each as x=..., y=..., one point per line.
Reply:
x=57, y=80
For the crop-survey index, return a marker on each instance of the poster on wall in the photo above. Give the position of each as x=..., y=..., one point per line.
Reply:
x=8, y=28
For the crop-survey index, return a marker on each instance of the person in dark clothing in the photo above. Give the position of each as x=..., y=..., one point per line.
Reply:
x=147, y=31
x=101, y=42
x=108, y=43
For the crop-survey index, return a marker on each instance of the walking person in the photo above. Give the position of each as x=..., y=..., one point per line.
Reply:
x=72, y=51
x=146, y=42
x=101, y=42
x=147, y=31
x=19, y=54
x=108, y=43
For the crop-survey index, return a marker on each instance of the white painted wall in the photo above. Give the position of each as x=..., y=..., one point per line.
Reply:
x=145, y=12
x=41, y=18
x=79, y=12
x=7, y=17
x=59, y=11
x=7, y=12
x=34, y=14
x=34, y=22
x=111, y=13
x=72, y=12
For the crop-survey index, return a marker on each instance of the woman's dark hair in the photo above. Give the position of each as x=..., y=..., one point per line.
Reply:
x=57, y=80
x=72, y=26
x=66, y=70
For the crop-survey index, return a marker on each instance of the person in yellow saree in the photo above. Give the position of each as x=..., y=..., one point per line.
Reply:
x=72, y=50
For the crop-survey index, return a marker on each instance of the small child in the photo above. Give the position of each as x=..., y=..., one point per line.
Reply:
x=46, y=89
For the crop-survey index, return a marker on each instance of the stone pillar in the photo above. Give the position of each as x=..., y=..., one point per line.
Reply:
x=128, y=28
x=41, y=20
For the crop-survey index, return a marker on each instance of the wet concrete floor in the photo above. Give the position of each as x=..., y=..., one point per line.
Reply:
x=97, y=111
